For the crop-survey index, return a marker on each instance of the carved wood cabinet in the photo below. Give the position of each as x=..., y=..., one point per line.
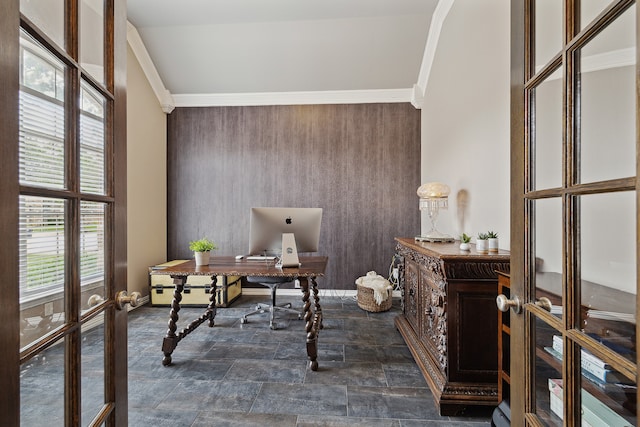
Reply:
x=449, y=320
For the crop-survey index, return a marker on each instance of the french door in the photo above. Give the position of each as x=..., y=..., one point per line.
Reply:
x=63, y=199
x=574, y=223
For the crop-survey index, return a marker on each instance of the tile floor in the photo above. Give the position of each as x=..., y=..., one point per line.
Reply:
x=250, y=375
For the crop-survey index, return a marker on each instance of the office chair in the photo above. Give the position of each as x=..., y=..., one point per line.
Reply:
x=272, y=283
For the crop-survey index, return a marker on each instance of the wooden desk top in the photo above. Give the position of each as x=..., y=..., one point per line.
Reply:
x=451, y=251
x=312, y=266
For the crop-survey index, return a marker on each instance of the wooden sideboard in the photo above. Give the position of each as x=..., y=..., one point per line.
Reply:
x=449, y=320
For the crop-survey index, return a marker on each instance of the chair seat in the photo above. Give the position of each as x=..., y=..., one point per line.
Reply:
x=268, y=279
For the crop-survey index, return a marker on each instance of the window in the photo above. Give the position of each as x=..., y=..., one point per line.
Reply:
x=42, y=156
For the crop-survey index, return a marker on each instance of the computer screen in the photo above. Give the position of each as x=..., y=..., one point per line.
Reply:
x=268, y=224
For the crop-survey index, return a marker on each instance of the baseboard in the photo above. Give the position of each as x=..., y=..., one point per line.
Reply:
x=141, y=301
x=99, y=319
x=323, y=292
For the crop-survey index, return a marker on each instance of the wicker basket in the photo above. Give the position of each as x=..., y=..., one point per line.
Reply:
x=367, y=301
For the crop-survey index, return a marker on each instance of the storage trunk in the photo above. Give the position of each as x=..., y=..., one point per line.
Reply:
x=197, y=289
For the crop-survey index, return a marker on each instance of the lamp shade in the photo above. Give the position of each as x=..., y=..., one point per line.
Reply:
x=433, y=190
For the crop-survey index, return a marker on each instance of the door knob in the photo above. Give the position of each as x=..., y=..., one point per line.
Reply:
x=123, y=298
x=544, y=302
x=504, y=304
x=94, y=300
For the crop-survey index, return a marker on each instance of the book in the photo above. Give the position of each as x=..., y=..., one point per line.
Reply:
x=612, y=315
x=592, y=371
x=555, y=404
x=584, y=354
x=594, y=412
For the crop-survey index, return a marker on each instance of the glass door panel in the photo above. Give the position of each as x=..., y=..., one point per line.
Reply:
x=42, y=116
x=607, y=106
x=548, y=31
x=92, y=369
x=42, y=267
x=42, y=388
x=92, y=141
x=548, y=252
x=92, y=38
x=608, y=269
x=92, y=254
x=547, y=133
x=548, y=376
x=590, y=9
x=608, y=397
x=48, y=16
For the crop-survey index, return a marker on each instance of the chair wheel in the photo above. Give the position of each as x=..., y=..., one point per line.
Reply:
x=243, y=320
x=272, y=326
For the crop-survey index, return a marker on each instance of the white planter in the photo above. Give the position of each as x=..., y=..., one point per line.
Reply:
x=465, y=246
x=481, y=246
x=202, y=258
x=493, y=244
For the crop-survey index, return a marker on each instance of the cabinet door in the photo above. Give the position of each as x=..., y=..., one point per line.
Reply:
x=473, y=341
x=433, y=331
x=411, y=280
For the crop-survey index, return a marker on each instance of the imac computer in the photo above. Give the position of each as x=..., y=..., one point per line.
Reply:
x=284, y=232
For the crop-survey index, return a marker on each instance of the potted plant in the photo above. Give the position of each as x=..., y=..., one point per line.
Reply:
x=464, y=242
x=202, y=250
x=492, y=241
x=481, y=243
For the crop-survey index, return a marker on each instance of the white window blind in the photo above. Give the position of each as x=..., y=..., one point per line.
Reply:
x=92, y=143
x=42, y=151
x=92, y=243
x=42, y=119
x=42, y=246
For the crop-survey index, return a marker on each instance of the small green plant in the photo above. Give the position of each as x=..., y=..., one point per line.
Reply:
x=492, y=235
x=202, y=245
x=482, y=236
x=465, y=238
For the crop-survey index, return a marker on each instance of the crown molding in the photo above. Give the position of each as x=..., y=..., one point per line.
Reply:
x=437, y=20
x=414, y=95
x=600, y=61
x=417, y=97
x=294, y=98
x=168, y=101
x=140, y=51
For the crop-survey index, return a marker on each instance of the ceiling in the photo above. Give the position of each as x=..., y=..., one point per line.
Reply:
x=204, y=47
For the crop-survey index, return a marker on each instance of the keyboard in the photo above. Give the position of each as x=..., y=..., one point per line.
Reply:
x=260, y=258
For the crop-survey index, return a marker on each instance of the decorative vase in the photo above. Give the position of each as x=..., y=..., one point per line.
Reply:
x=465, y=246
x=492, y=244
x=202, y=258
x=481, y=246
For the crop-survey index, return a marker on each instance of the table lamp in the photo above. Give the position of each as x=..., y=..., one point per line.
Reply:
x=433, y=197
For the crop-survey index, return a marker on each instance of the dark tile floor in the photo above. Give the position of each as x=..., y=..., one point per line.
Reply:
x=250, y=375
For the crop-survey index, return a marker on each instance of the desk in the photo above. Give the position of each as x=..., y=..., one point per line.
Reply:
x=311, y=268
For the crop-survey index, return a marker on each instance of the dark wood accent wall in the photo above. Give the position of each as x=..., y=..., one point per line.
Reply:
x=360, y=163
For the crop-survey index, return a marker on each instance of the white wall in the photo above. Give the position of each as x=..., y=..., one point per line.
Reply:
x=146, y=178
x=465, y=118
